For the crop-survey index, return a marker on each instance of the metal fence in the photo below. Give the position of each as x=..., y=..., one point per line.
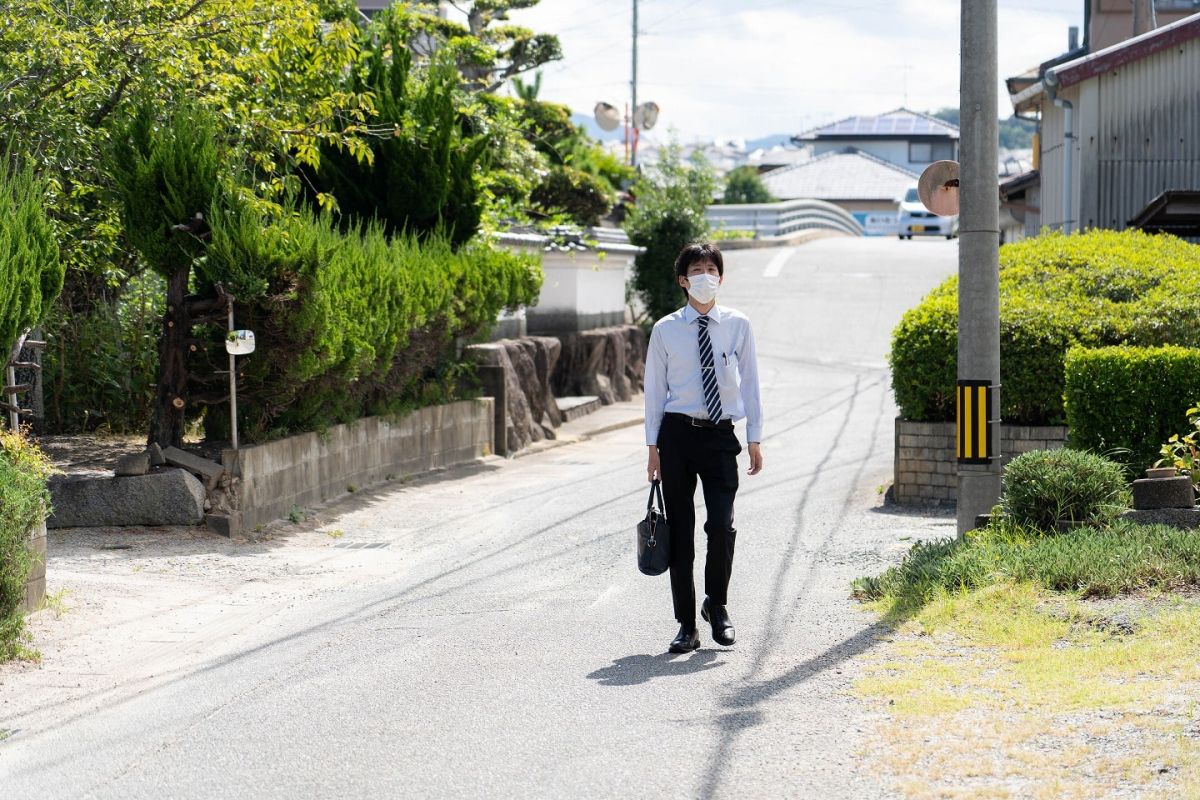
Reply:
x=767, y=220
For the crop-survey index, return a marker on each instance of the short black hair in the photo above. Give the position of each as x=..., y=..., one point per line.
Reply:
x=695, y=253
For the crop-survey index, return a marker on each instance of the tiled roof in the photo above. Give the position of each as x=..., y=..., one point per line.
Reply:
x=899, y=123
x=844, y=175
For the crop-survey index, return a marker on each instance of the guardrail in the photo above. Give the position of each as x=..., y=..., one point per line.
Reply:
x=782, y=219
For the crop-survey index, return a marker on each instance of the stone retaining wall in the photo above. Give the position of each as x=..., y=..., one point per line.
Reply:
x=925, y=470
x=527, y=375
x=302, y=471
x=35, y=584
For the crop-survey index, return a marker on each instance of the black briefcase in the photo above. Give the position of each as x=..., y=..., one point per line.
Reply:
x=654, y=536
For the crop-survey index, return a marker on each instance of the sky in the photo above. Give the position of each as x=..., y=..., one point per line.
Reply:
x=724, y=69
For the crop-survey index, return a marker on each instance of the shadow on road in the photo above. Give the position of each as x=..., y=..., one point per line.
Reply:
x=632, y=670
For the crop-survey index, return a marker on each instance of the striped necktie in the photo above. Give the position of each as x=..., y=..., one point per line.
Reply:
x=708, y=372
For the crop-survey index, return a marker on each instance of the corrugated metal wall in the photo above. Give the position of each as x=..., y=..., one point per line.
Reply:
x=1146, y=128
x=1052, y=161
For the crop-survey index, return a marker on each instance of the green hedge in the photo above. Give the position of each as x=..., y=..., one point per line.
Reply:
x=24, y=503
x=1130, y=400
x=352, y=323
x=1094, y=289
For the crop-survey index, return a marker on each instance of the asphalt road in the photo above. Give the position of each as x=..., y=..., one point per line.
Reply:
x=509, y=647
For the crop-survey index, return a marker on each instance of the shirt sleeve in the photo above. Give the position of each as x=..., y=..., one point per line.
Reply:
x=655, y=385
x=751, y=397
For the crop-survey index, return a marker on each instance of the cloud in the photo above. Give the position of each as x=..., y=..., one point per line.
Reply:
x=779, y=67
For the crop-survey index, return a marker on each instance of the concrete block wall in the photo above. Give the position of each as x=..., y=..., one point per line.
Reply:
x=305, y=470
x=35, y=584
x=925, y=471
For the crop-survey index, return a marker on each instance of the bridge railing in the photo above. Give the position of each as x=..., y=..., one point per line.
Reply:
x=782, y=219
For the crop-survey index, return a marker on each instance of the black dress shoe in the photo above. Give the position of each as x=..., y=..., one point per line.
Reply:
x=687, y=640
x=722, y=626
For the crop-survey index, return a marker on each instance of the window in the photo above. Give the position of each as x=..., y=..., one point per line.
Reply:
x=928, y=152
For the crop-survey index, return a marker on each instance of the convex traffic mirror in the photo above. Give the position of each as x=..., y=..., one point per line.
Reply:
x=239, y=343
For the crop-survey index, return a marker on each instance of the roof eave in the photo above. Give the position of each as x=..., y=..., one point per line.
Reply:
x=1118, y=55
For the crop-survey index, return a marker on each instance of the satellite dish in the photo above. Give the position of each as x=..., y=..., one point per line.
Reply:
x=607, y=116
x=645, y=115
x=938, y=188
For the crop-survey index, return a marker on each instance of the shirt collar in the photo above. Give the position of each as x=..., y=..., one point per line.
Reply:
x=690, y=314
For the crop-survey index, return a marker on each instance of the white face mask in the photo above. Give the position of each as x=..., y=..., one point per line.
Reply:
x=703, y=288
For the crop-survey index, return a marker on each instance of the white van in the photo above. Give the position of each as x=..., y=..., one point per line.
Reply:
x=916, y=220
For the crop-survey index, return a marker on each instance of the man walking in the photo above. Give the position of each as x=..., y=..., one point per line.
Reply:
x=701, y=376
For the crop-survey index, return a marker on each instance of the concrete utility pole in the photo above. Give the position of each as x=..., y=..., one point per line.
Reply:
x=1143, y=17
x=633, y=87
x=978, y=266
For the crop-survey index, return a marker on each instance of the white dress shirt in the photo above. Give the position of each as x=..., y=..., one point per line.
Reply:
x=673, y=381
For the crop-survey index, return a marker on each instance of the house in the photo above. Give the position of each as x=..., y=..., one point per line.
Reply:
x=863, y=184
x=908, y=139
x=1109, y=22
x=1118, y=131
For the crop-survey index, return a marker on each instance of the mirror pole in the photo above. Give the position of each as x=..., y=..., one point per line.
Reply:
x=233, y=384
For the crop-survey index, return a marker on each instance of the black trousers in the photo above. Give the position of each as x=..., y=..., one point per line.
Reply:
x=686, y=453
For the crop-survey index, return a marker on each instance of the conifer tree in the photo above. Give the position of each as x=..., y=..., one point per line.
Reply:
x=31, y=273
x=167, y=176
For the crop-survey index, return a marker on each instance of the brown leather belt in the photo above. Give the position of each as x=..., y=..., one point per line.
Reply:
x=695, y=422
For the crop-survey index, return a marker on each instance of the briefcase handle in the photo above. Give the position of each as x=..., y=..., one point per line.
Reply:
x=655, y=489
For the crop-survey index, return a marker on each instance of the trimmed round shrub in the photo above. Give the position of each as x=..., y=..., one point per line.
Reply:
x=583, y=197
x=1093, y=289
x=1045, y=486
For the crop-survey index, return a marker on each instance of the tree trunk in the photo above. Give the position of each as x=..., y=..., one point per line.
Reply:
x=167, y=421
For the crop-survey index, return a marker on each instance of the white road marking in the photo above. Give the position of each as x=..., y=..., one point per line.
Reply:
x=775, y=265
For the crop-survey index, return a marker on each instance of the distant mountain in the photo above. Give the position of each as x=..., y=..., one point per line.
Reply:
x=586, y=122
x=767, y=142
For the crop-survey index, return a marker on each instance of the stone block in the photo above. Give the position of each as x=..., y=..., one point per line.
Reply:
x=227, y=525
x=35, y=582
x=1184, y=518
x=168, y=497
x=209, y=471
x=1154, y=493
x=156, y=455
x=132, y=464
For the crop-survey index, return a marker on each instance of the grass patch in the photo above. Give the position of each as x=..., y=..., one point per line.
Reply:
x=1028, y=664
x=1091, y=562
x=1013, y=690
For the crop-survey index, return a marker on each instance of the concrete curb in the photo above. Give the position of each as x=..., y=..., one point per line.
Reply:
x=777, y=241
x=552, y=444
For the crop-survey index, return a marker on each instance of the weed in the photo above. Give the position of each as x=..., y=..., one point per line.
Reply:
x=297, y=515
x=391, y=476
x=351, y=488
x=336, y=533
x=57, y=602
x=260, y=527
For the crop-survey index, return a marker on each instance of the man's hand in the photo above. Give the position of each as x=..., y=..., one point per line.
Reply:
x=755, y=459
x=652, y=465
